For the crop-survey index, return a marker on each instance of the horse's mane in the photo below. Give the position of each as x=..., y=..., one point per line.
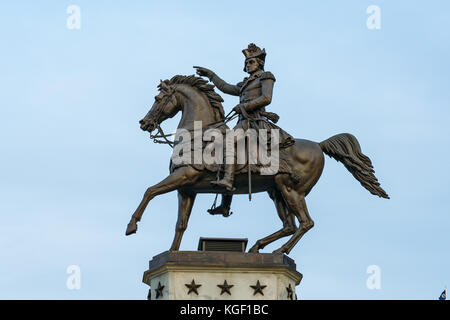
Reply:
x=208, y=89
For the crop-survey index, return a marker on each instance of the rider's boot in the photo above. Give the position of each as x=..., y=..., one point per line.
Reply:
x=224, y=208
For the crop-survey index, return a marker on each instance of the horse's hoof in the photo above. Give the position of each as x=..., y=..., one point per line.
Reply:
x=131, y=228
x=281, y=250
x=254, y=249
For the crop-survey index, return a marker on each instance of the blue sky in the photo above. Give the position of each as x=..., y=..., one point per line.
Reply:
x=75, y=164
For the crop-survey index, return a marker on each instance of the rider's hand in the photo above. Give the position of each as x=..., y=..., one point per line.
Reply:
x=237, y=109
x=204, y=72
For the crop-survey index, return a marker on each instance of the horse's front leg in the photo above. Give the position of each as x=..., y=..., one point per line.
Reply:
x=175, y=180
x=185, y=203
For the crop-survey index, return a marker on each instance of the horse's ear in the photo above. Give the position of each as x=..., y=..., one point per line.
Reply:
x=164, y=86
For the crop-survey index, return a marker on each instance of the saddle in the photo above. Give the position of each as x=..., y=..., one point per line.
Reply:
x=274, y=161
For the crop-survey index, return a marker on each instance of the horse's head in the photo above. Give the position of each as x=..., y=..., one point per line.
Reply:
x=164, y=107
x=190, y=94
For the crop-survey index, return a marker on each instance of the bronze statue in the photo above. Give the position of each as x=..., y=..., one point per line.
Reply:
x=301, y=161
x=255, y=93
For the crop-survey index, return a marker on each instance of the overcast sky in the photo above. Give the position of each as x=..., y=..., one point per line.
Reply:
x=75, y=164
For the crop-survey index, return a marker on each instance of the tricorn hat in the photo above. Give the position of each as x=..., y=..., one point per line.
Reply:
x=253, y=51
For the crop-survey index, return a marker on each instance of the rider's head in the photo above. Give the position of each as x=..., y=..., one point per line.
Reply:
x=254, y=58
x=253, y=64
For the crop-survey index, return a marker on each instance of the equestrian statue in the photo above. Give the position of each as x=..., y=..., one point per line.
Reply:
x=300, y=162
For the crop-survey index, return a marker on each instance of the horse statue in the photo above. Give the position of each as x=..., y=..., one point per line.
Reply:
x=197, y=101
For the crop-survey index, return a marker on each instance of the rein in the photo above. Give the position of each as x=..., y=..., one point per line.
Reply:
x=230, y=116
x=161, y=135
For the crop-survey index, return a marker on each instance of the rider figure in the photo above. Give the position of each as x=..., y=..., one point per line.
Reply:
x=255, y=93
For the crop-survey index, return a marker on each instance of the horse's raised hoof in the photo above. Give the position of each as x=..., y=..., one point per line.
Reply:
x=131, y=228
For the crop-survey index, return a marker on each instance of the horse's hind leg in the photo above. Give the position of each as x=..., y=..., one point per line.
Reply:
x=185, y=203
x=295, y=200
x=306, y=223
x=175, y=180
x=288, y=219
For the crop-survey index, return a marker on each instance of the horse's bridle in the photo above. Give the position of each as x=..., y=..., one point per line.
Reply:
x=158, y=112
x=157, y=137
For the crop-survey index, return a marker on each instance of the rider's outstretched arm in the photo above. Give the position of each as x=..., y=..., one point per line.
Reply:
x=224, y=86
x=218, y=82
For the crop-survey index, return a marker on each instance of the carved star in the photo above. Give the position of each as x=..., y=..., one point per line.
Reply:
x=159, y=290
x=258, y=288
x=225, y=287
x=290, y=292
x=193, y=287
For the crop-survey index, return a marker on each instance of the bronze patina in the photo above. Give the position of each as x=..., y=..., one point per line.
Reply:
x=301, y=161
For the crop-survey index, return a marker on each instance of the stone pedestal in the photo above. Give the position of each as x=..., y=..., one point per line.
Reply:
x=221, y=275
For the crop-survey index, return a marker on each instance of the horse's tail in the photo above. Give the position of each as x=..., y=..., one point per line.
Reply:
x=345, y=148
